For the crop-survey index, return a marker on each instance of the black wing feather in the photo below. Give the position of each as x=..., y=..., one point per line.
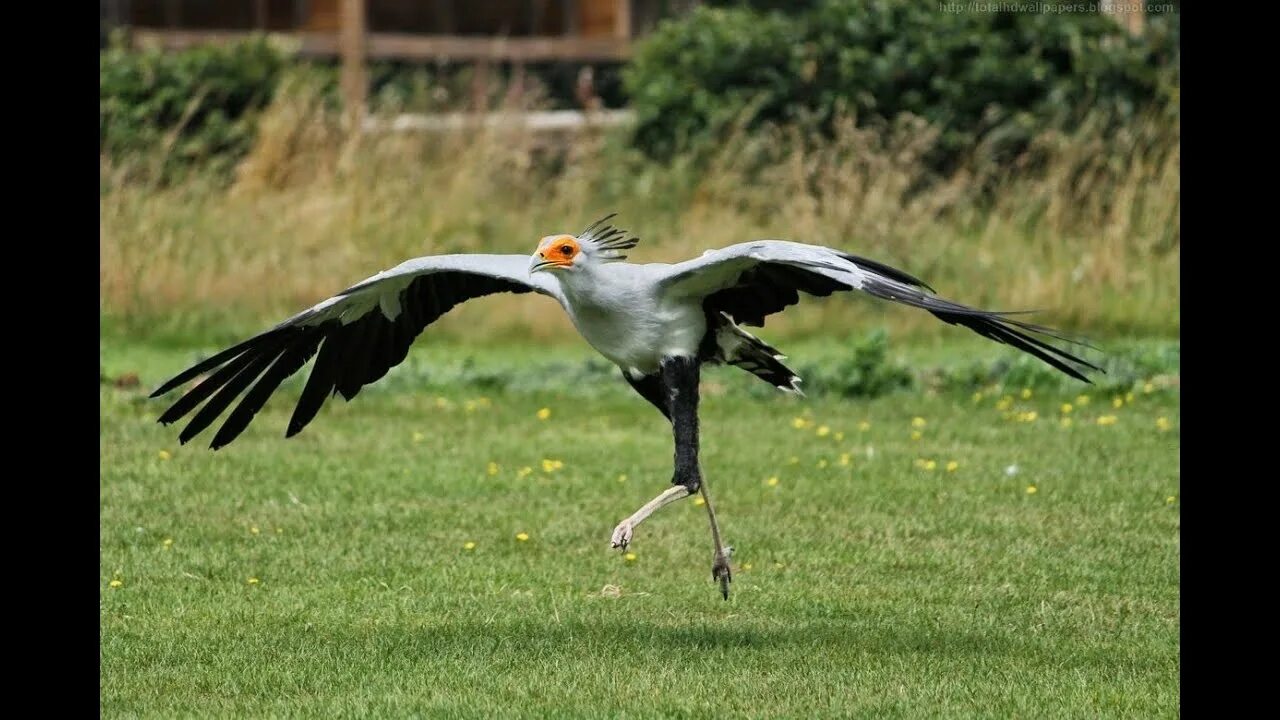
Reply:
x=993, y=325
x=289, y=362
x=215, y=381
x=225, y=396
x=767, y=288
x=348, y=357
x=324, y=376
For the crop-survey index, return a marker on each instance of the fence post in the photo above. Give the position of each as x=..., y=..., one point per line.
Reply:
x=351, y=41
x=622, y=21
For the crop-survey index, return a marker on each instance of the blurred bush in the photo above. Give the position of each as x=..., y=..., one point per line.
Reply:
x=985, y=80
x=866, y=371
x=199, y=106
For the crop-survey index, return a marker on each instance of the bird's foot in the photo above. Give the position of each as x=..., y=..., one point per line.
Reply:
x=622, y=535
x=720, y=571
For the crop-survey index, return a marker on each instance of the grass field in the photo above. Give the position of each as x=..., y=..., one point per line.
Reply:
x=1001, y=564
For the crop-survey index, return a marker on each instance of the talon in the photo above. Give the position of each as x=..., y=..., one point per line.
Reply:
x=622, y=536
x=721, y=573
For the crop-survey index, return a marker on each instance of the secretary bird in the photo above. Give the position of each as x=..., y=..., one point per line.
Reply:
x=659, y=323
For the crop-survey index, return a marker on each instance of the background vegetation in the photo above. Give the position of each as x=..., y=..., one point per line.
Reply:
x=1014, y=160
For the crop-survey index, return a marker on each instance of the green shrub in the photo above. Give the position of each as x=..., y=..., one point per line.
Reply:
x=989, y=79
x=865, y=372
x=178, y=109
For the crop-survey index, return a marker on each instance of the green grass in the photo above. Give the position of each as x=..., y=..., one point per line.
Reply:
x=876, y=589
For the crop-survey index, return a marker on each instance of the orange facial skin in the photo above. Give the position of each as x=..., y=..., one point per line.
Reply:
x=560, y=251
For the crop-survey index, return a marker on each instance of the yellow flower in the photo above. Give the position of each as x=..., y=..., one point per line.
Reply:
x=916, y=435
x=1117, y=402
x=930, y=465
x=164, y=455
x=279, y=531
x=469, y=545
x=699, y=501
x=1005, y=403
x=864, y=426
x=116, y=583
x=977, y=397
x=168, y=543
x=1128, y=397
x=551, y=465
x=622, y=477
x=470, y=405
x=1066, y=408
x=1149, y=388
x=544, y=413
x=1029, y=416
x=418, y=437
x=952, y=466
x=254, y=530
x=1082, y=400
x=772, y=482
x=630, y=557
x=1162, y=423
x=800, y=423
x=522, y=536
x=523, y=472
x=1107, y=420
x=845, y=459
x=839, y=436
x=1026, y=393
x=823, y=431
x=1170, y=500
x=1031, y=490
x=492, y=468
x=917, y=422
x=746, y=566
x=1065, y=422
x=252, y=581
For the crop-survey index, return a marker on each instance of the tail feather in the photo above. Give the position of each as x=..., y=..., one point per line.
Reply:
x=740, y=348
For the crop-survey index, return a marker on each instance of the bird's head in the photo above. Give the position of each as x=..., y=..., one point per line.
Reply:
x=596, y=245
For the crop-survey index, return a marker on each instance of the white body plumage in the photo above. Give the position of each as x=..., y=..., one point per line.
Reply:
x=618, y=313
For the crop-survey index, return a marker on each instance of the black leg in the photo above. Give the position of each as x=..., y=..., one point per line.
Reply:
x=680, y=375
x=678, y=378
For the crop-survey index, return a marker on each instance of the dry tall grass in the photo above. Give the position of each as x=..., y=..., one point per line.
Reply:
x=1091, y=235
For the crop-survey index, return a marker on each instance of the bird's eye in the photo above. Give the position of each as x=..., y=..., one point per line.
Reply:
x=566, y=250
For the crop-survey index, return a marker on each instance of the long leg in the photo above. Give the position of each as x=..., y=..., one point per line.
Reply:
x=680, y=375
x=679, y=378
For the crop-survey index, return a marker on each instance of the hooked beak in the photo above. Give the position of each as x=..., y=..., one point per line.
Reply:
x=540, y=263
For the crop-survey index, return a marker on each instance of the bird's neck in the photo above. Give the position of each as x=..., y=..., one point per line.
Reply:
x=585, y=282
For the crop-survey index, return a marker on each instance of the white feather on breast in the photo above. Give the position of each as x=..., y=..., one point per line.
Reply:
x=618, y=312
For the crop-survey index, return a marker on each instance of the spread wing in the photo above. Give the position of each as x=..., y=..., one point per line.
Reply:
x=356, y=336
x=750, y=281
